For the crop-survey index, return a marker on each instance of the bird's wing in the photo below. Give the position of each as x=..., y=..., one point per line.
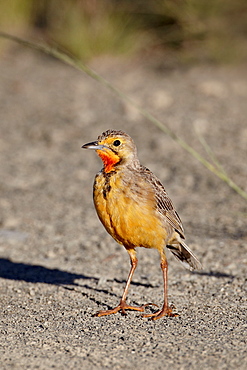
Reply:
x=164, y=203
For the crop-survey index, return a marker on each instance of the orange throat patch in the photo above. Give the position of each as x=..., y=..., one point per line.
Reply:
x=109, y=159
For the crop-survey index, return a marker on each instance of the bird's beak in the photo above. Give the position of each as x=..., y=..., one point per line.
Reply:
x=93, y=145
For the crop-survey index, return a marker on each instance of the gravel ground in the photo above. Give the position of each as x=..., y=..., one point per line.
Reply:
x=58, y=265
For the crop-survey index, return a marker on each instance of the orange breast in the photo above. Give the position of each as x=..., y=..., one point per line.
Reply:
x=129, y=216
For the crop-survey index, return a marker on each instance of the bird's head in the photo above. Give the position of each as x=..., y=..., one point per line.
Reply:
x=114, y=148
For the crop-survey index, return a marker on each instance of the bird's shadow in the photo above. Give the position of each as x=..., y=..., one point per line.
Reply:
x=216, y=274
x=38, y=274
x=19, y=271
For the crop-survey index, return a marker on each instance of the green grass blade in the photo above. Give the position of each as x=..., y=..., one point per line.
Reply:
x=216, y=168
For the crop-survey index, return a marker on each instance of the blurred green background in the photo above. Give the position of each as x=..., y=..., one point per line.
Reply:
x=212, y=30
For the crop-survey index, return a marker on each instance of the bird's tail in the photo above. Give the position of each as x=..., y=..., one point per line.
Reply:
x=183, y=253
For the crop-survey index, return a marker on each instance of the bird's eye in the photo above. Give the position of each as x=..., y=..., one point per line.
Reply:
x=116, y=142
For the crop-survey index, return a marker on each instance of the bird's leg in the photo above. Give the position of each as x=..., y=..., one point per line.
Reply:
x=123, y=305
x=166, y=310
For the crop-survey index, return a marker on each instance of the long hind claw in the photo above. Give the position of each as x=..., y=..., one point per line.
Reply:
x=122, y=307
x=165, y=311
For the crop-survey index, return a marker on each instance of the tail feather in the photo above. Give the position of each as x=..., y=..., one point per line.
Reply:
x=184, y=254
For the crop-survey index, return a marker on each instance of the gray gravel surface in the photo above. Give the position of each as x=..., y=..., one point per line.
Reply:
x=58, y=265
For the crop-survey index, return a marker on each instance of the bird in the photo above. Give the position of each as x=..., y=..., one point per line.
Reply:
x=136, y=211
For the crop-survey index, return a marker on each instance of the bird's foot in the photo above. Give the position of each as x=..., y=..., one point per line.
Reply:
x=122, y=307
x=165, y=311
